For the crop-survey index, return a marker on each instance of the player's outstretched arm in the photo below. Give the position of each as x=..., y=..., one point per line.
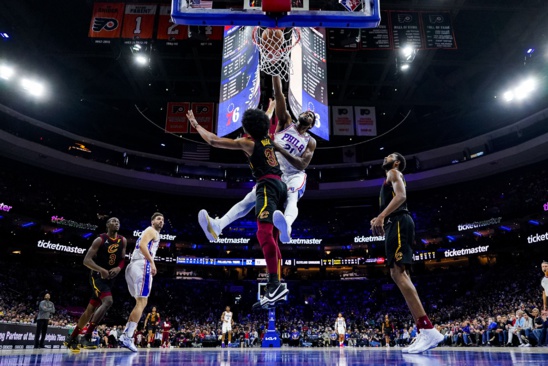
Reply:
x=220, y=142
x=284, y=118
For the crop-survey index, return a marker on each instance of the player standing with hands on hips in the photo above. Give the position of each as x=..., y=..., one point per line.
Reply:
x=395, y=223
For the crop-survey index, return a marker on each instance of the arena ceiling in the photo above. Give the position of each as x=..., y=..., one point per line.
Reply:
x=449, y=95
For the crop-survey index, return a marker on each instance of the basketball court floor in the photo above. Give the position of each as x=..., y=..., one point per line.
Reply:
x=280, y=356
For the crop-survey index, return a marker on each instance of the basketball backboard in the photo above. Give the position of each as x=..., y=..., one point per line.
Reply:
x=304, y=13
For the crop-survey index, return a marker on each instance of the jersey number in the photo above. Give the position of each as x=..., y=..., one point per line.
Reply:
x=112, y=259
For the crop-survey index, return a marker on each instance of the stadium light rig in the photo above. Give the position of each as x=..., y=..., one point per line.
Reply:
x=6, y=72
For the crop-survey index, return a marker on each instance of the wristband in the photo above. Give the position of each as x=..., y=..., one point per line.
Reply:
x=122, y=264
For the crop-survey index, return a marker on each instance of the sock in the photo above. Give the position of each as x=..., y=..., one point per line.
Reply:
x=424, y=323
x=268, y=245
x=130, y=329
x=75, y=332
x=291, y=210
x=239, y=210
x=90, y=329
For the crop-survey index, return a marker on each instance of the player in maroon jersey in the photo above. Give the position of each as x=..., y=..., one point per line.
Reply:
x=106, y=259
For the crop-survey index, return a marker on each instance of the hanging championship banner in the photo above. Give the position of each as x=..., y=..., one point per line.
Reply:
x=106, y=21
x=204, y=115
x=239, y=78
x=343, y=120
x=139, y=21
x=169, y=31
x=176, y=121
x=366, y=121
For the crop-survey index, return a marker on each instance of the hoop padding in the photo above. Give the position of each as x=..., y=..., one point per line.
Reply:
x=275, y=52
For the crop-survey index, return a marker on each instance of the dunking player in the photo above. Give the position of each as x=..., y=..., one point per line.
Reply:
x=340, y=328
x=544, y=284
x=271, y=192
x=227, y=322
x=105, y=258
x=399, y=231
x=139, y=275
x=294, y=150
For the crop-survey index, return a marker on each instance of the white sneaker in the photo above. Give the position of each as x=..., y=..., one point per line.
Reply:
x=413, y=344
x=127, y=342
x=281, y=224
x=430, y=339
x=210, y=226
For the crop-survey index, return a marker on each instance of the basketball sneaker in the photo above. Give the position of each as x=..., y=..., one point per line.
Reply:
x=210, y=226
x=281, y=224
x=127, y=342
x=87, y=344
x=72, y=345
x=412, y=344
x=274, y=294
x=430, y=339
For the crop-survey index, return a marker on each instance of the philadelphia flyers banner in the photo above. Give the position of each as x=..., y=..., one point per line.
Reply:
x=139, y=21
x=106, y=21
x=169, y=31
x=204, y=113
x=176, y=121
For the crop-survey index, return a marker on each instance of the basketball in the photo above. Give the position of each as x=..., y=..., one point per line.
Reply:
x=272, y=39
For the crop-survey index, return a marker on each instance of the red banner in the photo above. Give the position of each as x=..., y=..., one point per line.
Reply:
x=176, y=121
x=106, y=21
x=167, y=30
x=139, y=21
x=204, y=114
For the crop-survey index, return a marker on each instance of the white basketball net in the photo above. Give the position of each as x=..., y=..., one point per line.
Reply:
x=275, y=54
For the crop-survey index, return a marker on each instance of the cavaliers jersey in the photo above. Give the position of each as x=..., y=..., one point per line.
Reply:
x=294, y=143
x=263, y=160
x=153, y=318
x=387, y=193
x=228, y=316
x=152, y=247
x=110, y=252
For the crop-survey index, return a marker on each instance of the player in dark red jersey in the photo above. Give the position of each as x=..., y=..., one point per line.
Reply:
x=271, y=192
x=106, y=259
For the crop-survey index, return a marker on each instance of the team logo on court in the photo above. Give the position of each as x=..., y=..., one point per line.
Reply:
x=405, y=18
x=108, y=24
x=399, y=256
x=264, y=215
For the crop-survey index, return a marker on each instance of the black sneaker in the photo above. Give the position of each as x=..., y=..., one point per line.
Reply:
x=275, y=295
x=72, y=345
x=87, y=344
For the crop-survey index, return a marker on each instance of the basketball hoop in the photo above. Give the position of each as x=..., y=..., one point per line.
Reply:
x=275, y=45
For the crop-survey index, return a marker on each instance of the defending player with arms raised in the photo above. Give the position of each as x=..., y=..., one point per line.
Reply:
x=226, y=327
x=294, y=150
x=139, y=275
x=340, y=328
x=105, y=258
x=271, y=192
x=399, y=232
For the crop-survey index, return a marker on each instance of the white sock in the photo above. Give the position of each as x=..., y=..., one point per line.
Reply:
x=291, y=210
x=130, y=329
x=239, y=210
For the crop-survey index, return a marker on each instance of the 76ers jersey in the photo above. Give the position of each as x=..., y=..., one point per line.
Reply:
x=295, y=143
x=152, y=247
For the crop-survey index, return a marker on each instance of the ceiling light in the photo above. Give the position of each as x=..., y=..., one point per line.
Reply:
x=508, y=96
x=141, y=60
x=32, y=87
x=6, y=72
x=404, y=67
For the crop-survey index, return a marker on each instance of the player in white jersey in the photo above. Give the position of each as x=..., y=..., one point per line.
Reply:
x=139, y=275
x=340, y=328
x=544, y=283
x=227, y=321
x=295, y=148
